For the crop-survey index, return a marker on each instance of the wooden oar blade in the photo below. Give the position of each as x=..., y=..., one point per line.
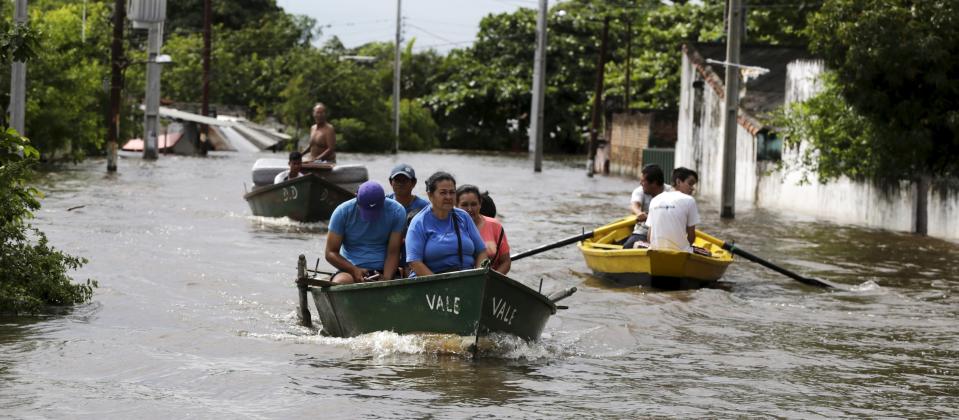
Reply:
x=781, y=270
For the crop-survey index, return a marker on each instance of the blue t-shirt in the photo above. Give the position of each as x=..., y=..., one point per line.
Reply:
x=365, y=243
x=415, y=206
x=433, y=241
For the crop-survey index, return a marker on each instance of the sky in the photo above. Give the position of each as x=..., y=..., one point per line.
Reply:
x=438, y=24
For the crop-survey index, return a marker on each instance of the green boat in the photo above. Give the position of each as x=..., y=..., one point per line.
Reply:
x=468, y=303
x=307, y=198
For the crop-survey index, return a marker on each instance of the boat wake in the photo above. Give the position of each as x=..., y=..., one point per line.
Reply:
x=866, y=286
x=285, y=223
x=387, y=343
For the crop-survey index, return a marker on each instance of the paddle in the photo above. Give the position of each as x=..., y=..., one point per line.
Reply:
x=629, y=221
x=749, y=256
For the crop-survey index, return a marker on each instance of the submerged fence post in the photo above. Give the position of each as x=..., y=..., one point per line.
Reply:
x=302, y=287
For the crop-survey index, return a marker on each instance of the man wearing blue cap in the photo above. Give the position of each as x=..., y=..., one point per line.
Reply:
x=403, y=179
x=365, y=236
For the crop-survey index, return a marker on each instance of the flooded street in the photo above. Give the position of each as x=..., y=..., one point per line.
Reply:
x=195, y=313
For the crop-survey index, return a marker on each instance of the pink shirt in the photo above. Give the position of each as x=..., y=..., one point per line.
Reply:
x=490, y=232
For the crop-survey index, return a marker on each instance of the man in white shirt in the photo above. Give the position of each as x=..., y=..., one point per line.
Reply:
x=673, y=215
x=650, y=185
x=296, y=164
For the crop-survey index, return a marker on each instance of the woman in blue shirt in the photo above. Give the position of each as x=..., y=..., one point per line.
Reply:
x=443, y=238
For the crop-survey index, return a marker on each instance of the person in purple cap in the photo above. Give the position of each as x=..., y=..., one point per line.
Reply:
x=365, y=236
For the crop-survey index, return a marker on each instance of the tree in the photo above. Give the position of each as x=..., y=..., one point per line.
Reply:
x=65, y=90
x=32, y=273
x=186, y=16
x=838, y=141
x=484, y=94
x=357, y=109
x=895, y=65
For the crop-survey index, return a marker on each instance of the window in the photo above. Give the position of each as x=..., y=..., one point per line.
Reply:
x=769, y=146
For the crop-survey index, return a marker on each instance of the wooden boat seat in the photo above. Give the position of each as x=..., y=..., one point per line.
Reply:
x=606, y=246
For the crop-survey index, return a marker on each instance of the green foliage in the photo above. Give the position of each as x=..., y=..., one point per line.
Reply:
x=417, y=129
x=186, y=16
x=832, y=139
x=264, y=64
x=65, y=92
x=359, y=113
x=483, y=99
x=32, y=273
x=895, y=65
x=356, y=135
x=656, y=53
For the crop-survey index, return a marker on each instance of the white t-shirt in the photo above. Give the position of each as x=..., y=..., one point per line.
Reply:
x=640, y=196
x=670, y=213
x=282, y=176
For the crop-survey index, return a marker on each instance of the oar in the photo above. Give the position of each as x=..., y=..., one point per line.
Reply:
x=749, y=256
x=629, y=221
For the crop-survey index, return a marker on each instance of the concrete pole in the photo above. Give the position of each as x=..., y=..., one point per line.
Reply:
x=116, y=83
x=730, y=124
x=629, y=61
x=539, y=83
x=18, y=77
x=207, y=41
x=597, y=102
x=397, y=64
x=152, y=114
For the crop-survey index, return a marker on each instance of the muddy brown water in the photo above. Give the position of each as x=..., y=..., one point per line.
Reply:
x=195, y=314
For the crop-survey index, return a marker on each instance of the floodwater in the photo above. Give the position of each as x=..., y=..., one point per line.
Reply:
x=195, y=314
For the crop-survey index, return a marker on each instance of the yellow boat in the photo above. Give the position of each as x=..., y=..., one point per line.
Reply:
x=658, y=268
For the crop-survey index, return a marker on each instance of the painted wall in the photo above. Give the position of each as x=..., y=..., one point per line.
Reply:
x=763, y=184
x=699, y=145
x=944, y=214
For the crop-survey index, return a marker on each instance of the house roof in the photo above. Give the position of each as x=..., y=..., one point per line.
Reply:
x=763, y=94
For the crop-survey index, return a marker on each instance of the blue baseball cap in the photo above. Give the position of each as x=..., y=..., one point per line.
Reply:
x=403, y=169
x=370, y=199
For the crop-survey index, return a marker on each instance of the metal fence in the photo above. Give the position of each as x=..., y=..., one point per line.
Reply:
x=662, y=157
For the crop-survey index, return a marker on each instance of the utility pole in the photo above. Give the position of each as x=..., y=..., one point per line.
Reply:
x=397, y=64
x=116, y=83
x=597, y=101
x=539, y=83
x=151, y=116
x=629, y=58
x=207, y=40
x=18, y=76
x=730, y=124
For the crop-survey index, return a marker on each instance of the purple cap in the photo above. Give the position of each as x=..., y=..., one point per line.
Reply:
x=369, y=199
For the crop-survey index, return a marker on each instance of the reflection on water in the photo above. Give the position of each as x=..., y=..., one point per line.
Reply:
x=195, y=315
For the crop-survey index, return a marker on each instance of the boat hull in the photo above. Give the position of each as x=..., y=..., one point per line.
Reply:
x=308, y=198
x=657, y=268
x=470, y=303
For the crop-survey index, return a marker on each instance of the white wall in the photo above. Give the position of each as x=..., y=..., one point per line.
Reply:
x=762, y=184
x=700, y=147
x=943, y=214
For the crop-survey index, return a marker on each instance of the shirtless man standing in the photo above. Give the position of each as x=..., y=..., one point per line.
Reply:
x=322, y=138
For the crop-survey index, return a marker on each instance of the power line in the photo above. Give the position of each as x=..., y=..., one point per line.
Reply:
x=428, y=46
x=437, y=22
x=428, y=32
x=365, y=22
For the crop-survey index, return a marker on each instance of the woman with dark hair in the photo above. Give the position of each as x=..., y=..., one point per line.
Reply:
x=443, y=238
x=468, y=198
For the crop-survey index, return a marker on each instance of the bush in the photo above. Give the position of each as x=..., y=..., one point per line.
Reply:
x=355, y=135
x=32, y=273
